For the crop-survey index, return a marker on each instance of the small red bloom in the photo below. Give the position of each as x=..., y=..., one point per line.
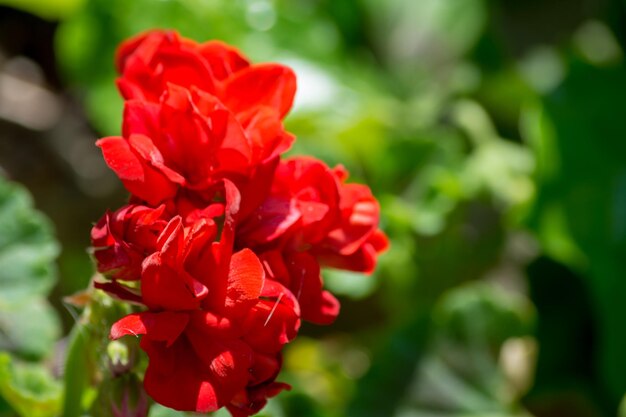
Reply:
x=197, y=360
x=355, y=240
x=312, y=217
x=189, y=140
x=300, y=209
x=151, y=61
x=122, y=240
x=202, y=361
x=311, y=208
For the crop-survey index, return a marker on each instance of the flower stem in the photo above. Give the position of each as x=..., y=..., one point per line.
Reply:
x=76, y=371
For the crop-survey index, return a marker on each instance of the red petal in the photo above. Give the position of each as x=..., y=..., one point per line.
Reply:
x=265, y=367
x=177, y=379
x=170, y=288
x=121, y=159
x=144, y=146
x=359, y=219
x=257, y=187
x=269, y=85
x=138, y=176
x=328, y=310
x=266, y=133
x=228, y=361
x=269, y=221
x=212, y=326
x=379, y=241
x=186, y=68
x=363, y=260
x=245, y=279
x=148, y=63
x=251, y=401
x=149, y=42
x=164, y=327
x=141, y=118
x=171, y=241
x=314, y=188
x=271, y=323
x=100, y=234
x=223, y=59
x=274, y=290
x=231, y=212
x=197, y=245
x=317, y=306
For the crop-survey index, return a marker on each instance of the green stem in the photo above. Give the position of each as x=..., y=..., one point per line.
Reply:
x=76, y=371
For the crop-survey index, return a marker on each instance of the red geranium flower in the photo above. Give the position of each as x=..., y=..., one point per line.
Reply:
x=221, y=242
x=312, y=216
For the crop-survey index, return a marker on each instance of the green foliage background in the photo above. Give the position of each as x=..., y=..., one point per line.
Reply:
x=492, y=131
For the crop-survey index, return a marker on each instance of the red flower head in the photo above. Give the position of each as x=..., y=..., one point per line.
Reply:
x=257, y=96
x=121, y=241
x=211, y=340
x=310, y=217
x=221, y=243
x=354, y=241
x=189, y=140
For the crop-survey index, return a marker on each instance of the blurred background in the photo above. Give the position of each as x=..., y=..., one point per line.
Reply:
x=492, y=131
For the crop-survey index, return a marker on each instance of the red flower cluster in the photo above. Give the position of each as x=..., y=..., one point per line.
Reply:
x=222, y=242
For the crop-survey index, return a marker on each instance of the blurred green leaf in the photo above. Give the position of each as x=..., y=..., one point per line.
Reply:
x=349, y=283
x=566, y=373
x=483, y=316
x=28, y=324
x=393, y=366
x=428, y=32
x=30, y=329
x=27, y=248
x=584, y=185
x=29, y=389
x=461, y=374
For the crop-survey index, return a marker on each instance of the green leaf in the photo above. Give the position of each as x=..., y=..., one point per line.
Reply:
x=27, y=248
x=28, y=324
x=29, y=329
x=461, y=374
x=582, y=194
x=29, y=389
